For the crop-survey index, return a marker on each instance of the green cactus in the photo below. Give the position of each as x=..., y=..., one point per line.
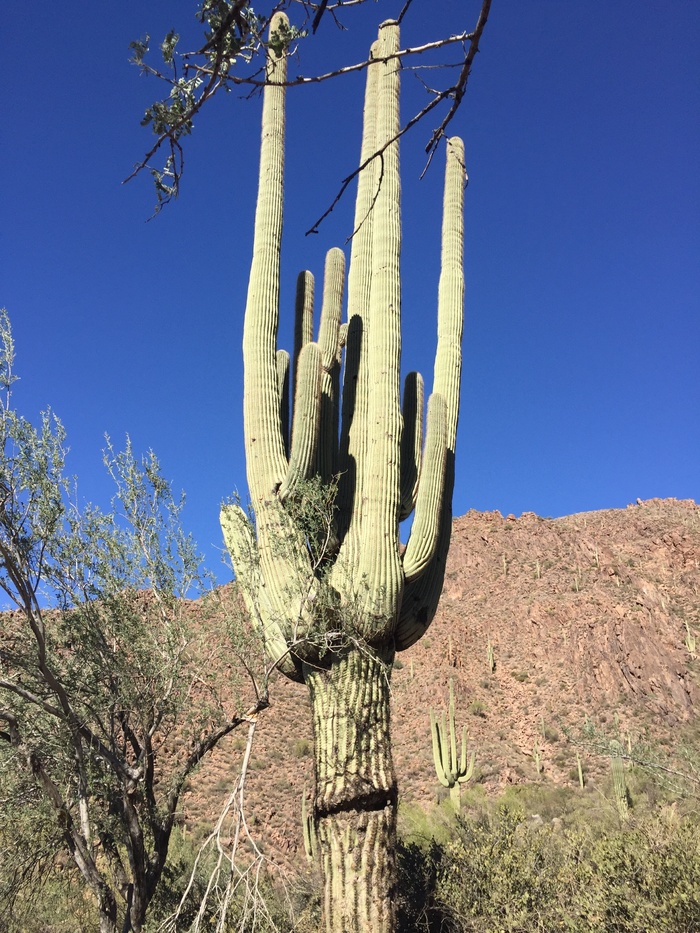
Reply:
x=452, y=770
x=333, y=614
x=537, y=757
x=490, y=656
x=308, y=829
x=620, y=791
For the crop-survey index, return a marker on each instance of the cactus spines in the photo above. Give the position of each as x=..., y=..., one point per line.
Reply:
x=452, y=769
x=373, y=595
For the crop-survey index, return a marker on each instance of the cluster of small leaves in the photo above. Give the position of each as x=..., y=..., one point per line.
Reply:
x=233, y=32
x=311, y=513
x=29, y=837
x=312, y=510
x=230, y=28
x=32, y=485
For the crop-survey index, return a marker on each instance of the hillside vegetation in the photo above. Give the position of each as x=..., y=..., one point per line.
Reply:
x=570, y=645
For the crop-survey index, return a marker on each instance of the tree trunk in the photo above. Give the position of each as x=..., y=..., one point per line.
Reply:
x=356, y=794
x=107, y=909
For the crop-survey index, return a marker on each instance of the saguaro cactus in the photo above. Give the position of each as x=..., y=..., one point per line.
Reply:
x=452, y=769
x=332, y=614
x=620, y=791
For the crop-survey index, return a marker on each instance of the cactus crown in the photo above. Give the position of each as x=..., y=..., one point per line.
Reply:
x=358, y=436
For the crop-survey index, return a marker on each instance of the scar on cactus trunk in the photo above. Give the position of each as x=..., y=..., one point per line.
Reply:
x=334, y=604
x=356, y=793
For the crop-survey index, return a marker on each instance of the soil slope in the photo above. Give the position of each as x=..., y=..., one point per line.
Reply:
x=591, y=615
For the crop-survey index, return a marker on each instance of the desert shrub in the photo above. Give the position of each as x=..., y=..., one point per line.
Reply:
x=177, y=874
x=641, y=877
x=418, y=868
x=59, y=905
x=302, y=748
x=260, y=903
x=504, y=874
x=499, y=874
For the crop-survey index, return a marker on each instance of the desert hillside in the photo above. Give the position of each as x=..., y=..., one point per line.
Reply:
x=591, y=615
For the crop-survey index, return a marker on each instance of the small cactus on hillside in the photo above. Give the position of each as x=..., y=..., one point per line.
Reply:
x=537, y=757
x=620, y=791
x=451, y=771
x=490, y=657
x=309, y=829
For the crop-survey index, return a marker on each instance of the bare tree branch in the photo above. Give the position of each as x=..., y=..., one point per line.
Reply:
x=461, y=86
x=173, y=117
x=301, y=80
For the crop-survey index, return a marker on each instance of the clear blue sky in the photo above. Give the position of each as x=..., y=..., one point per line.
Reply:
x=582, y=338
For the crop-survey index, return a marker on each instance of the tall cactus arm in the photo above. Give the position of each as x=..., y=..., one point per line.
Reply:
x=448, y=356
x=240, y=542
x=421, y=595
x=439, y=754
x=331, y=308
x=282, y=574
x=329, y=342
x=465, y=770
x=426, y=524
x=355, y=391
x=303, y=315
x=379, y=563
x=283, y=389
x=411, y=442
x=309, y=829
x=305, y=426
x=264, y=444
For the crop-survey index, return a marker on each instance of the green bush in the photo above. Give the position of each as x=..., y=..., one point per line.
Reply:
x=642, y=877
x=302, y=748
x=501, y=872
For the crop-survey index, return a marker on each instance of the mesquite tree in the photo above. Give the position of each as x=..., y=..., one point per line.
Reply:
x=109, y=694
x=334, y=603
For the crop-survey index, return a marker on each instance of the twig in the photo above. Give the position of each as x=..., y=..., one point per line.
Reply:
x=216, y=76
x=461, y=85
x=301, y=80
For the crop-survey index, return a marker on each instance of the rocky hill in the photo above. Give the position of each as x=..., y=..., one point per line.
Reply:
x=592, y=615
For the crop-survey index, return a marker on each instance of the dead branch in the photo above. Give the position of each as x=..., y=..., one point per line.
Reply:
x=461, y=86
x=214, y=74
x=227, y=874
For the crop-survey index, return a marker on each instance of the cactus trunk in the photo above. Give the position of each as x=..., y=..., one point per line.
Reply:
x=356, y=793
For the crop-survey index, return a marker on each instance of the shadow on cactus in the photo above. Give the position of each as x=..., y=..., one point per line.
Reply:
x=330, y=589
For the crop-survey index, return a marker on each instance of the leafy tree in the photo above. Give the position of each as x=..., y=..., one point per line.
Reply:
x=107, y=698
